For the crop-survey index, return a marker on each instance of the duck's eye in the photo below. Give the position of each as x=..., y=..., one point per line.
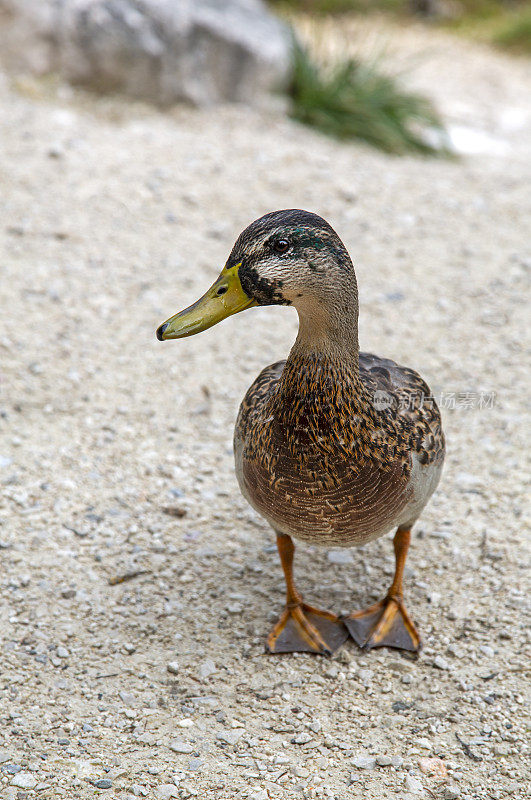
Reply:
x=281, y=246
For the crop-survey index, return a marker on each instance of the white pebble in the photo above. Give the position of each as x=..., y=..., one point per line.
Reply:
x=364, y=762
x=24, y=780
x=181, y=747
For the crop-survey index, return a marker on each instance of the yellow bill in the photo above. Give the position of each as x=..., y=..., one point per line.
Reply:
x=224, y=298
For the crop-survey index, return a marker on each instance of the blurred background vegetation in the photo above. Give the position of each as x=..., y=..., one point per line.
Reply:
x=504, y=23
x=352, y=98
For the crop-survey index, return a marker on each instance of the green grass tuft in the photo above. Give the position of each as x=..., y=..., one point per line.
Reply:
x=515, y=34
x=355, y=101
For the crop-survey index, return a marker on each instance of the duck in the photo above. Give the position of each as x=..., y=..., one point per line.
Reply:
x=333, y=447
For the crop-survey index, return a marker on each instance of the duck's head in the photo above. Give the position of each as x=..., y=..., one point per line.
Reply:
x=290, y=257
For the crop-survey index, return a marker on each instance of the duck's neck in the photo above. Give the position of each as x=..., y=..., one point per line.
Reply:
x=323, y=366
x=328, y=332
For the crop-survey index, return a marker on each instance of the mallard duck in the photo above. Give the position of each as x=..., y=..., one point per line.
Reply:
x=332, y=446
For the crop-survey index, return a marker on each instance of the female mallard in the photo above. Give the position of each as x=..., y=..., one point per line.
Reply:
x=333, y=446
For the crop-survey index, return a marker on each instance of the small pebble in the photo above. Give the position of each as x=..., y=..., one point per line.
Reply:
x=366, y=676
x=62, y=652
x=384, y=761
x=451, y=793
x=103, y=783
x=332, y=671
x=181, y=747
x=173, y=667
x=230, y=736
x=364, y=762
x=24, y=780
x=440, y=663
x=302, y=738
x=207, y=668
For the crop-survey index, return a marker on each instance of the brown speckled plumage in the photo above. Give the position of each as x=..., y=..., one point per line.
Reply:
x=320, y=461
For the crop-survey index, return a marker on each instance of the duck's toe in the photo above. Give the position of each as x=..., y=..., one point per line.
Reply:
x=304, y=629
x=385, y=624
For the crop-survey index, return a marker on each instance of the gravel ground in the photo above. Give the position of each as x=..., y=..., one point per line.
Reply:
x=116, y=461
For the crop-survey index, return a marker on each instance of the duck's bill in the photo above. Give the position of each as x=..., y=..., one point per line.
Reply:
x=224, y=298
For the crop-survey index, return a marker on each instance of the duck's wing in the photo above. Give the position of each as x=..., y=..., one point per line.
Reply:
x=402, y=392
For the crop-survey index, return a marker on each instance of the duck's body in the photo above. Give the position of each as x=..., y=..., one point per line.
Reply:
x=333, y=446
x=338, y=456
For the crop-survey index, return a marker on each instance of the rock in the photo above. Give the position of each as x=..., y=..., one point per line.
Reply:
x=24, y=780
x=384, y=761
x=230, y=736
x=103, y=783
x=127, y=698
x=302, y=738
x=301, y=772
x=181, y=747
x=166, y=790
x=451, y=793
x=441, y=663
x=62, y=652
x=332, y=671
x=366, y=676
x=195, y=764
x=413, y=785
x=207, y=668
x=164, y=51
x=173, y=667
x=364, y=762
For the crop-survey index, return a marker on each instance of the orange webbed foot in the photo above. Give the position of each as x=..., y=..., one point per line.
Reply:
x=384, y=624
x=305, y=629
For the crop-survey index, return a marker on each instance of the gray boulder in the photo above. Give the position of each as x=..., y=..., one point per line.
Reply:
x=198, y=51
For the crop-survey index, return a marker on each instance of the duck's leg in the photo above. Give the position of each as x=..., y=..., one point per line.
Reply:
x=387, y=623
x=302, y=628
